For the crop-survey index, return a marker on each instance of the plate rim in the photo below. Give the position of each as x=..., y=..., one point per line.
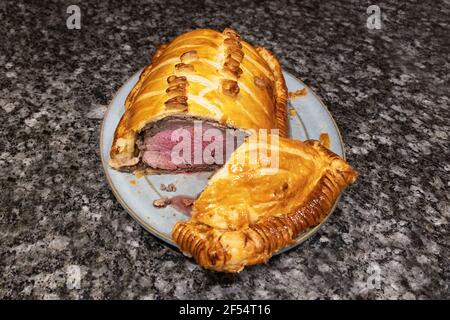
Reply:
x=305, y=235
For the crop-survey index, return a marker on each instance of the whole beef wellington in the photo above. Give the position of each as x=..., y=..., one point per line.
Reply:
x=205, y=81
x=201, y=80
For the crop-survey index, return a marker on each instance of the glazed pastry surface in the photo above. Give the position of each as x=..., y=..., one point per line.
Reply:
x=249, y=210
x=204, y=74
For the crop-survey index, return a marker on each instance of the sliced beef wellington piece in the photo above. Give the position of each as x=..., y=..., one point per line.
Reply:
x=204, y=75
x=252, y=209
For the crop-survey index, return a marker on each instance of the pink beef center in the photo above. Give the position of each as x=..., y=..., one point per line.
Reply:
x=187, y=150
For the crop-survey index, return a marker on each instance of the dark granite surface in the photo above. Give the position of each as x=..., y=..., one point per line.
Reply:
x=63, y=234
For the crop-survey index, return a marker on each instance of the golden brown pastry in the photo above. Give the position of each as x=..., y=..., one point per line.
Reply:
x=249, y=210
x=205, y=75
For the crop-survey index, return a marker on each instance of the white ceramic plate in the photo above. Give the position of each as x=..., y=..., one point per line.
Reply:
x=136, y=195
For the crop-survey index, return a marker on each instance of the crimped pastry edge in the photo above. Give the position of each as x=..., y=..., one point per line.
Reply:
x=281, y=91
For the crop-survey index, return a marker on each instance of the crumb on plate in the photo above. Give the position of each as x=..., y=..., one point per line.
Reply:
x=161, y=203
x=298, y=93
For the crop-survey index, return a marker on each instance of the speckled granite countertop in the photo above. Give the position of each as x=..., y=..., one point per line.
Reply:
x=63, y=234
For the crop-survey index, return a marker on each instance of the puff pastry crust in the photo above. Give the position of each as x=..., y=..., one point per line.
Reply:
x=204, y=74
x=249, y=211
